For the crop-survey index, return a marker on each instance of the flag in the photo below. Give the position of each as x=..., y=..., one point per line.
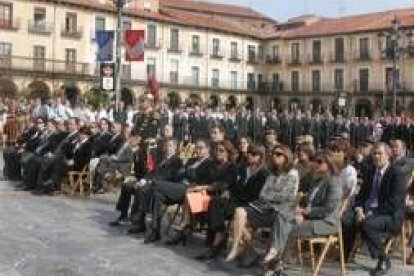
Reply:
x=134, y=45
x=391, y=77
x=153, y=86
x=105, y=41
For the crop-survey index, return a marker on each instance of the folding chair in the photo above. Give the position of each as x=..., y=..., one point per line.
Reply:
x=402, y=237
x=79, y=181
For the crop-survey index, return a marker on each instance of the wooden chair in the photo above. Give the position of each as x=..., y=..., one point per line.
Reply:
x=11, y=130
x=327, y=241
x=78, y=181
x=402, y=238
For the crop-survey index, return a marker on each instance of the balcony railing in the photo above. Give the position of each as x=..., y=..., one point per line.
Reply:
x=315, y=58
x=16, y=63
x=74, y=33
x=152, y=45
x=339, y=57
x=362, y=56
x=296, y=60
x=252, y=59
x=36, y=27
x=10, y=24
x=273, y=59
x=235, y=57
x=195, y=51
x=216, y=54
x=175, y=49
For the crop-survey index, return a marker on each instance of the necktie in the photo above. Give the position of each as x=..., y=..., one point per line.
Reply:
x=372, y=202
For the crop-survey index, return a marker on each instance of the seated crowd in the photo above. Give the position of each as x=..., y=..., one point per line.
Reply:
x=242, y=187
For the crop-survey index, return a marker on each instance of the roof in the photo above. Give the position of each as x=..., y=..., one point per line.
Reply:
x=208, y=7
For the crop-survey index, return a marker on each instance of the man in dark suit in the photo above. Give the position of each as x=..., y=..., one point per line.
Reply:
x=198, y=171
x=166, y=170
x=379, y=208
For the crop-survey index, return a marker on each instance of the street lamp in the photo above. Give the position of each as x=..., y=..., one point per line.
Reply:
x=119, y=7
x=391, y=45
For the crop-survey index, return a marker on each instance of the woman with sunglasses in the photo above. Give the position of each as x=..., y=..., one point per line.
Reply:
x=321, y=213
x=274, y=207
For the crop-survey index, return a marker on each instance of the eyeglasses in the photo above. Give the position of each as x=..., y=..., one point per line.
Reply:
x=221, y=150
x=40, y=122
x=319, y=161
x=277, y=153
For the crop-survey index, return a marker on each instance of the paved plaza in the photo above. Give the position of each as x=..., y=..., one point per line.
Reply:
x=53, y=236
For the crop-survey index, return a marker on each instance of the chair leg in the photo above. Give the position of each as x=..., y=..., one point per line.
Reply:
x=403, y=244
x=342, y=255
x=312, y=254
x=322, y=257
x=389, y=244
x=300, y=257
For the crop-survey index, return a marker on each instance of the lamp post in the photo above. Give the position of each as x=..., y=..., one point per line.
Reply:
x=119, y=7
x=391, y=45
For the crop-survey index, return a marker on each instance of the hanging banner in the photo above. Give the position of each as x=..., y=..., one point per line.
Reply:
x=134, y=45
x=107, y=73
x=105, y=41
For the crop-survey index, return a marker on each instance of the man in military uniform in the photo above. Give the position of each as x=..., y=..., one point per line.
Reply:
x=147, y=128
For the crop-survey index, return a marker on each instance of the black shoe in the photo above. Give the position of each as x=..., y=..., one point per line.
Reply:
x=100, y=191
x=383, y=266
x=120, y=221
x=211, y=254
x=153, y=237
x=181, y=237
x=137, y=229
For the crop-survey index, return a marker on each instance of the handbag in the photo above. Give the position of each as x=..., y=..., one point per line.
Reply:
x=198, y=201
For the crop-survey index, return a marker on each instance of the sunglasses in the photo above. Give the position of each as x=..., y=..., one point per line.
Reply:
x=319, y=161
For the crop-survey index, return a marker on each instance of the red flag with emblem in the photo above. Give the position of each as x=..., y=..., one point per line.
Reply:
x=153, y=86
x=134, y=45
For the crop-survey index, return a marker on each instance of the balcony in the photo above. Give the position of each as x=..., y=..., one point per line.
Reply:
x=43, y=66
x=235, y=57
x=315, y=59
x=73, y=33
x=175, y=49
x=12, y=24
x=215, y=83
x=217, y=54
x=339, y=57
x=252, y=59
x=273, y=59
x=40, y=27
x=195, y=51
x=295, y=61
x=362, y=56
x=152, y=45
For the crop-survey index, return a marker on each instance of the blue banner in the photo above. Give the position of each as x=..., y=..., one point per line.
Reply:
x=105, y=41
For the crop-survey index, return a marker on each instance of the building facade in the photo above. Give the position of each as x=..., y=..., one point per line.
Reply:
x=210, y=53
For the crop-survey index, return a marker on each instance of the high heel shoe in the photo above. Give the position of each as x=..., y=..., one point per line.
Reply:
x=181, y=237
x=213, y=252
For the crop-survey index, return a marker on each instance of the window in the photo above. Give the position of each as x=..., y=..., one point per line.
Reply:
x=251, y=83
x=126, y=25
x=339, y=49
x=126, y=71
x=215, y=80
x=295, y=81
x=174, y=44
x=233, y=80
x=216, y=47
x=275, y=78
x=363, y=79
x=233, y=50
x=195, y=44
x=195, y=75
x=6, y=14
x=39, y=52
x=339, y=79
x=99, y=23
x=174, y=71
x=71, y=22
x=252, y=53
x=151, y=35
x=147, y=5
x=295, y=53
x=364, y=48
x=316, y=51
x=5, y=49
x=70, y=59
x=260, y=53
x=275, y=51
x=316, y=81
x=151, y=67
x=39, y=16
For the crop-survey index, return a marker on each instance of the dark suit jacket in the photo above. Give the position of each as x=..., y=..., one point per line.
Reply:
x=100, y=144
x=167, y=169
x=244, y=193
x=82, y=155
x=114, y=144
x=391, y=196
x=51, y=143
x=203, y=174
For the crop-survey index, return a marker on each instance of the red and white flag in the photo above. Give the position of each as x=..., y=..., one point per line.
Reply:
x=134, y=45
x=153, y=86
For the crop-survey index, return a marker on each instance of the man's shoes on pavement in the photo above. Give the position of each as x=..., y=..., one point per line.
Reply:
x=99, y=191
x=120, y=221
x=153, y=237
x=383, y=266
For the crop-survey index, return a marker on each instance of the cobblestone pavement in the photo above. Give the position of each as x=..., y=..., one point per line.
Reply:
x=53, y=236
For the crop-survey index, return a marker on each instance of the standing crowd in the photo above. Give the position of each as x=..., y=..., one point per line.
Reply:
x=232, y=172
